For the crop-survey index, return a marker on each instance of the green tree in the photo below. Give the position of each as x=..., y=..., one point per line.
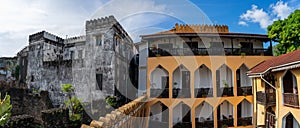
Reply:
x=287, y=33
x=5, y=109
x=73, y=104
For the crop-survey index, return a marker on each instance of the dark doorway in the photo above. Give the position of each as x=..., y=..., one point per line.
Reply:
x=289, y=121
x=99, y=79
x=186, y=113
x=288, y=82
x=239, y=110
x=219, y=113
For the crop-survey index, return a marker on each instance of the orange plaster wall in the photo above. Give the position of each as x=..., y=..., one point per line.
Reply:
x=170, y=63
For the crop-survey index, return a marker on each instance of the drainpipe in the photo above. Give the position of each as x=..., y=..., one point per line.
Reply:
x=276, y=115
x=267, y=82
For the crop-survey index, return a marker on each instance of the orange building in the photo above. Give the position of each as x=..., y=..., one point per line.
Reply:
x=195, y=76
x=275, y=83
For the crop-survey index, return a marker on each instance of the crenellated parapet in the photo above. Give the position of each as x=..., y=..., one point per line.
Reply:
x=44, y=35
x=74, y=39
x=108, y=26
x=121, y=116
x=101, y=21
x=184, y=28
x=23, y=52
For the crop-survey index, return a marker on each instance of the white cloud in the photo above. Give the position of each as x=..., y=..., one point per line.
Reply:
x=19, y=18
x=136, y=15
x=257, y=16
x=125, y=8
x=243, y=23
x=281, y=10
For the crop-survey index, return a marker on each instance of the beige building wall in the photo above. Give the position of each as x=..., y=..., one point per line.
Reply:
x=281, y=111
x=192, y=63
x=259, y=109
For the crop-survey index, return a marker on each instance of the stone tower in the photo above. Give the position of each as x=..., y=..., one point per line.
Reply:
x=96, y=64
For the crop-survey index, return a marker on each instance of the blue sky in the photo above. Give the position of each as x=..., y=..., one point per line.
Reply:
x=229, y=12
x=19, y=18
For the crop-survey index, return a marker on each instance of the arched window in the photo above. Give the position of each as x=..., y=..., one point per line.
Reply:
x=181, y=82
x=159, y=116
x=159, y=83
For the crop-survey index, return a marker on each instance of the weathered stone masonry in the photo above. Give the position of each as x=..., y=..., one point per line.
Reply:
x=97, y=64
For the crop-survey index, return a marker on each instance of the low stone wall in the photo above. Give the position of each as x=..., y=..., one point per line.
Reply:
x=27, y=103
x=57, y=117
x=21, y=121
x=51, y=118
x=36, y=110
x=123, y=116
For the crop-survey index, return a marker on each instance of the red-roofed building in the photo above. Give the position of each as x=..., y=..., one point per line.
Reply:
x=286, y=61
x=275, y=83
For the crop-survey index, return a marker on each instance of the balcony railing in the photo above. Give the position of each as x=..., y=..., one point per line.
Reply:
x=158, y=124
x=205, y=124
x=291, y=99
x=203, y=92
x=270, y=99
x=226, y=91
x=181, y=93
x=208, y=51
x=225, y=122
x=243, y=91
x=244, y=121
x=183, y=125
x=159, y=93
x=267, y=99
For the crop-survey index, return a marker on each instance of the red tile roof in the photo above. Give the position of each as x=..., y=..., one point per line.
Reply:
x=274, y=62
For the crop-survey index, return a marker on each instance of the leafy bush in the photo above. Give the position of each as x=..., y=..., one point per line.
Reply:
x=67, y=88
x=74, y=105
x=5, y=109
x=111, y=101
